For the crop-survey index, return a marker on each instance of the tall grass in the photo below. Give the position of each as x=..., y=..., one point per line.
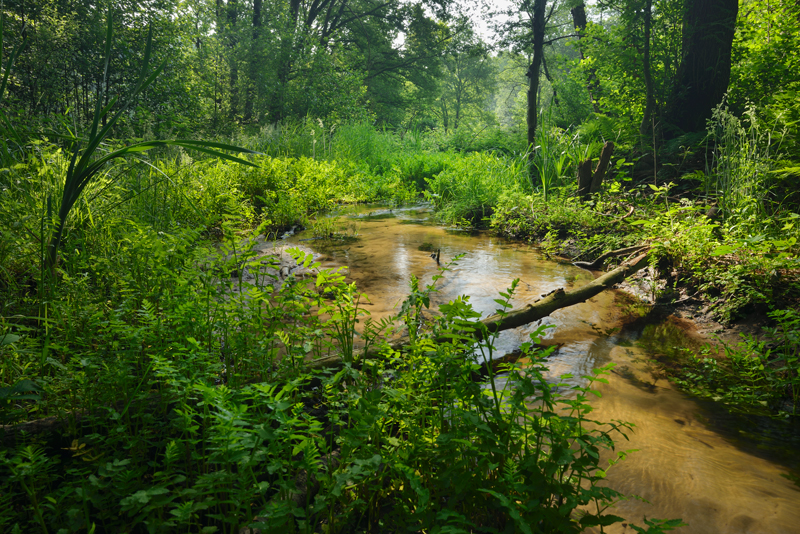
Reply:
x=467, y=192
x=739, y=175
x=555, y=160
x=394, y=166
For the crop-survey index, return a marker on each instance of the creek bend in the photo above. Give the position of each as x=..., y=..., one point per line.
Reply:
x=695, y=461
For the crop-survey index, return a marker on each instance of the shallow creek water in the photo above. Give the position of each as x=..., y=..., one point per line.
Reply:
x=719, y=473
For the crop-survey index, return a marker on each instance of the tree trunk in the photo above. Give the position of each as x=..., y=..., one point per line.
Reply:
x=584, y=178
x=589, y=182
x=602, y=165
x=253, y=67
x=286, y=53
x=650, y=104
x=533, y=74
x=705, y=69
x=234, y=67
x=579, y=22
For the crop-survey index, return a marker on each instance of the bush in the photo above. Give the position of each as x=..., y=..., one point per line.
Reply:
x=199, y=413
x=468, y=191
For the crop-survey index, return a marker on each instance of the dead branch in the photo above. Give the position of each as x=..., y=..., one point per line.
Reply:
x=598, y=263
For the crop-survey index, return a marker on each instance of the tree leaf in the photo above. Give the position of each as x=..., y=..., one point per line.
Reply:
x=723, y=249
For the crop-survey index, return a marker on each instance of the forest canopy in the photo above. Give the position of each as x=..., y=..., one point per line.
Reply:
x=245, y=64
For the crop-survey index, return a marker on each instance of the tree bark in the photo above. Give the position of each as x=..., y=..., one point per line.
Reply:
x=253, y=67
x=533, y=74
x=233, y=81
x=589, y=182
x=650, y=102
x=286, y=50
x=584, y=179
x=705, y=69
x=602, y=166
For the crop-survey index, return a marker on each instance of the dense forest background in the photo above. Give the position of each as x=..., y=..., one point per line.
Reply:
x=241, y=66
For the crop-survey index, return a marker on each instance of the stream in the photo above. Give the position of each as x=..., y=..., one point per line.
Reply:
x=719, y=472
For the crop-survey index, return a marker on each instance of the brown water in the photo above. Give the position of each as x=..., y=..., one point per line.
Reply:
x=719, y=473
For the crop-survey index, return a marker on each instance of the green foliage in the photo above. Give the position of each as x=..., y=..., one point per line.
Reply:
x=379, y=164
x=199, y=414
x=468, y=78
x=745, y=152
x=85, y=167
x=10, y=134
x=555, y=158
x=562, y=221
x=233, y=65
x=600, y=128
x=468, y=191
x=180, y=361
x=734, y=275
x=754, y=374
x=762, y=71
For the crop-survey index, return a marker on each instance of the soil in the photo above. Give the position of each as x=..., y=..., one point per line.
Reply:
x=682, y=305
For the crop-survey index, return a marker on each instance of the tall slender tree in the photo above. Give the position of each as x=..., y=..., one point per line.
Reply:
x=537, y=20
x=467, y=75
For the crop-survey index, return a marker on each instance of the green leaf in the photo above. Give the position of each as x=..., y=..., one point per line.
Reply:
x=723, y=249
x=591, y=520
x=18, y=390
x=8, y=339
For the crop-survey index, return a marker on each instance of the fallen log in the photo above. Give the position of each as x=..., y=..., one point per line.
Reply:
x=540, y=309
x=559, y=298
x=514, y=318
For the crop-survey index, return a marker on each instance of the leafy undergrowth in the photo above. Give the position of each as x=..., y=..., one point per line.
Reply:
x=169, y=193
x=691, y=253
x=702, y=260
x=468, y=191
x=725, y=268
x=188, y=406
x=560, y=226
x=752, y=375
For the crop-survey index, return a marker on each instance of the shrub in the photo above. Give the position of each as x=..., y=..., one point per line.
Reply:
x=468, y=191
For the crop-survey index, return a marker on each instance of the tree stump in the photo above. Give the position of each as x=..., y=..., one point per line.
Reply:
x=589, y=181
